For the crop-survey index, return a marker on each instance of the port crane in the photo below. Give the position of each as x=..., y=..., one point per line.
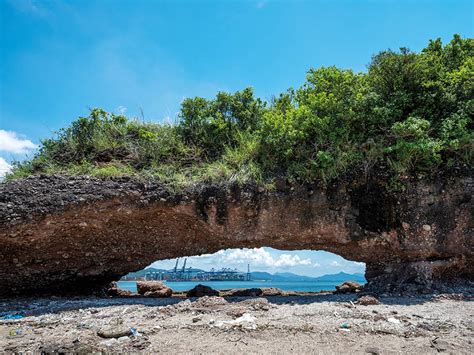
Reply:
x=176, y=266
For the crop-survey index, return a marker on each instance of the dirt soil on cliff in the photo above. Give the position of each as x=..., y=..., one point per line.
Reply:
x=298, y=324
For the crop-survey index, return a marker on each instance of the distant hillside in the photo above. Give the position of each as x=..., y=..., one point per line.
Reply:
x=141, y=273
x=266, y=276
x=288, y=276
x=341, y=277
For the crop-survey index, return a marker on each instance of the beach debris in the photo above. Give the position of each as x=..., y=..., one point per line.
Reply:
x=372, y=350
x=15, y=333
x=153, y=289
x=202, y=290
x=367, y=300
x=345, y=326
x=197, y=318
x=135, y=332
x=246, y=321
x=256, y=304
x=393, y=320
x=439, y=345
x=348, y=287
x=236, y=312
x=210, y=303
x=110, y=342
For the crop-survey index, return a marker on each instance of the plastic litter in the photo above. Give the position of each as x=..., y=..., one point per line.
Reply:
x=345, y=326
x=15, y=333
x=393, y=320
x=135, y=332
x=247, y=321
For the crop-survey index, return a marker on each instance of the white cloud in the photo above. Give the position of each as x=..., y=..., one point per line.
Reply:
x=4, y=167
x=11, y=143
x=261, y=257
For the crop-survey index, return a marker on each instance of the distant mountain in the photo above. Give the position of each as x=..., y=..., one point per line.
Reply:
x=266, y=276
x=141, y=273
x=341, y=277
x=288, y=276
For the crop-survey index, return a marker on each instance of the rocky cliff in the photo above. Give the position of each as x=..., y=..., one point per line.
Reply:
x=62, y=234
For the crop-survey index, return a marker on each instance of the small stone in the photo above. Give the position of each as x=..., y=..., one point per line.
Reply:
x=393, y=320
x=114, y=332
x=197, y=319
x=426, y=227
x=367, y=300
x=405, y=226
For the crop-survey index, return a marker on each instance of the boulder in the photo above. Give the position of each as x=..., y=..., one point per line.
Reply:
x=115, y=291
x=153, y=289
x=202, y=290
x=367, y=300
x=348, y=287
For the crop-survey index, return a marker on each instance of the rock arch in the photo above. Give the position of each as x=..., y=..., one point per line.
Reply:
x=62, y=234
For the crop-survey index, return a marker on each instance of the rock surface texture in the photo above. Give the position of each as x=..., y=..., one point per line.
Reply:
x=62, y=234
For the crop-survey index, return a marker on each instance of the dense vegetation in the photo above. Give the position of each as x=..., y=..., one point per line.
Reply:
x=411, y=113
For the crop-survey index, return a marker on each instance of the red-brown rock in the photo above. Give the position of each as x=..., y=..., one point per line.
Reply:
x=153, y=289
x=62, y=234
x=348, y=287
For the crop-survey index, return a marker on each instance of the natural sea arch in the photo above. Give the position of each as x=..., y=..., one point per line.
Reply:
x=64, y=234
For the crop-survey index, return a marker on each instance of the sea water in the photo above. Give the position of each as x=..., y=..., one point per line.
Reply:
x=303, y=286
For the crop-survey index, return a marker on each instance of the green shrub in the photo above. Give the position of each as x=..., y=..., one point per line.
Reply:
x=410, y=111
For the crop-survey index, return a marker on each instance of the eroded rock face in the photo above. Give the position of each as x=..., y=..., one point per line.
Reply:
x=76, y=234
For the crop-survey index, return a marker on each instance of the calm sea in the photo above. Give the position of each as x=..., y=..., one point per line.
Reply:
x=305, y=286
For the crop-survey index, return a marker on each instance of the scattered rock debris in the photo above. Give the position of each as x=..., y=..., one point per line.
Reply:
x=317, y=323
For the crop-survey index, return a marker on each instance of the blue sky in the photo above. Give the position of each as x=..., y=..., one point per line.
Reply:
x=60, y=58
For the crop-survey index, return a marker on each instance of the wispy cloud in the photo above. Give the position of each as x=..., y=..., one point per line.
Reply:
x=121, y=110
x=4, y=167
x=33, y=7
x=10, y=142
x=261, y=4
